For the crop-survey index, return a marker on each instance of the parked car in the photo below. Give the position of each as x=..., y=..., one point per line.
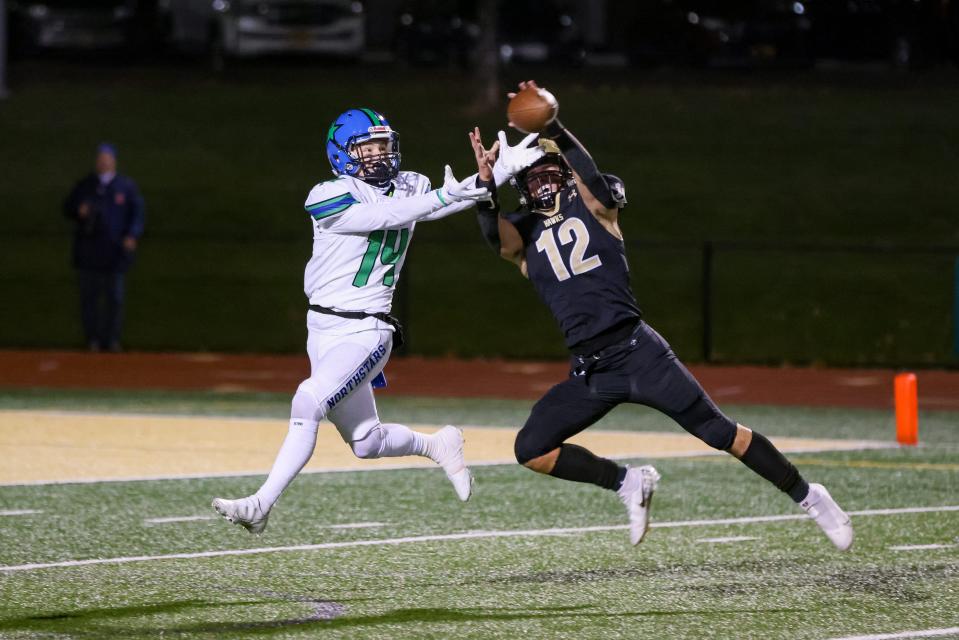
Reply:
x=905, y=33
x=719, y=33
x=247, y=28
x=432, y=33
x=75, y=25
x=533, y=31
x=527, y=31
x=747, y=33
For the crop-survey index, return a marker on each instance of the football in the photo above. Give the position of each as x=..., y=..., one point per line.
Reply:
x=531, y=110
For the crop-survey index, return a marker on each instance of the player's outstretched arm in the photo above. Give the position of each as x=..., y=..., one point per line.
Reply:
x=487, y=211
x=500, y=233
x=459, y=195
x=584, y=167
x=599, y=196
x=341, y=212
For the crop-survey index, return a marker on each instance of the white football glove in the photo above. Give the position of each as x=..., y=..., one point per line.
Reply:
x=456, y=191
x=512, y=160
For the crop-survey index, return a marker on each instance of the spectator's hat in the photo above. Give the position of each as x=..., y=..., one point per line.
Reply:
x=107, y=147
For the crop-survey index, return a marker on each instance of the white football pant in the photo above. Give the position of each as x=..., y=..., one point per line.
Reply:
x=345, y=355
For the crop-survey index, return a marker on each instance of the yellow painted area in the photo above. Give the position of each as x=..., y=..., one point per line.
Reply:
x=38, y=446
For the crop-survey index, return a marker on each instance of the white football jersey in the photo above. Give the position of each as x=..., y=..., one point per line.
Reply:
x=360, y=238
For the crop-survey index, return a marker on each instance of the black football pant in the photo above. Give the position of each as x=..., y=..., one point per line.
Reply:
x=642, y=370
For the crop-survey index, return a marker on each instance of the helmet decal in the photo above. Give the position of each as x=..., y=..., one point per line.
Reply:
x=548, y=146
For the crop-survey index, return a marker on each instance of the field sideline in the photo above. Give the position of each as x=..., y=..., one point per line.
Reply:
x=453, y=378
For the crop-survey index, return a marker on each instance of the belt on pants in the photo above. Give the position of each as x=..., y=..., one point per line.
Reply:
x=584, y=363
x=398, y=338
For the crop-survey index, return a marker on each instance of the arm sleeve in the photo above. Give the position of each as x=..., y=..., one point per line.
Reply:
x=343, y=213
x=487, y=214
x=582, y=163
x=448, y=210
x=72, y=203
x=137, y=212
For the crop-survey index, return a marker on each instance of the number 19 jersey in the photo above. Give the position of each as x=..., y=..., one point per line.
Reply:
x=578, y=268
x=350, y=269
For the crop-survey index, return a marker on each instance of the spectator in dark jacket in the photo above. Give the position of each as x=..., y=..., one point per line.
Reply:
x=108, y=212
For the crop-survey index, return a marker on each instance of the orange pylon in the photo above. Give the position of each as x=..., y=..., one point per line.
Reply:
x=907, y=409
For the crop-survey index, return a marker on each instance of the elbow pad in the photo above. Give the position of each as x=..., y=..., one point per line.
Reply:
x=617, y=190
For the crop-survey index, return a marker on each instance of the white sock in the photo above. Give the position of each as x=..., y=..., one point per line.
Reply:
x=296, y=451
x=400, y=440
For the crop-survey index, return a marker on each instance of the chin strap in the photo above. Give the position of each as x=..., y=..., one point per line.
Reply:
x=374, y=182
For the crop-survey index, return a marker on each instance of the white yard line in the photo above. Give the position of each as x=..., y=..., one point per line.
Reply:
x=18, y=512
x=466, y=535
x=921, y=547
x=924, y=633
x=348, y=525
x=729, y=539
x=356, y=525
x=177, y=519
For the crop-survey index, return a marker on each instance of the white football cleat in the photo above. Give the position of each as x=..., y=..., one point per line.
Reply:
x=449, y=455
x=823, y=509
x=637, y=494
x=245, y=512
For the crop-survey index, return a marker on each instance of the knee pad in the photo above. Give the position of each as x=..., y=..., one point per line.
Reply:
x=705, y=421
x=526, y=447
x=370, y=445
x=307, y=404
x=718, y=432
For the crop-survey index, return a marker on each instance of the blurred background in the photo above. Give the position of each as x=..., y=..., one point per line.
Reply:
x=792, y=167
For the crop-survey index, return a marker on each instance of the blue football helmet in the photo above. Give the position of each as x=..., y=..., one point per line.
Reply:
x=354, y=127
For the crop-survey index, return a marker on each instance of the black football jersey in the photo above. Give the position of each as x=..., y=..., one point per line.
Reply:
x=578, y=268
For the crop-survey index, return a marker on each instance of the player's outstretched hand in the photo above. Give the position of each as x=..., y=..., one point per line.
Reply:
x=456, y=191
x=514, y=159
x=485, y=158
x=528, y=84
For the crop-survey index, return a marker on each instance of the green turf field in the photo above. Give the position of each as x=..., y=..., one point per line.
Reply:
x=527, y=555
x=226, y=161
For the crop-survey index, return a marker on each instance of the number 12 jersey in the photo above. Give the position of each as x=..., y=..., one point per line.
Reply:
x=578, y=268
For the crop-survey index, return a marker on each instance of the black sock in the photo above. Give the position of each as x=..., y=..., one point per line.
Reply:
x=580, y=465
x=766, y=460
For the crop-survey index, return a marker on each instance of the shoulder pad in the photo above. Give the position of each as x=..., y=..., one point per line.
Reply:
x=329, y=198
x=327, y=189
